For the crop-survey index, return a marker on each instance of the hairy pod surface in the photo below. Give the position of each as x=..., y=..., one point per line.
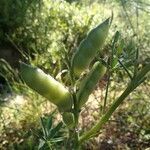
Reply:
x=68, y=119
x=47, y=86
x=89, y=83
x=89, y=47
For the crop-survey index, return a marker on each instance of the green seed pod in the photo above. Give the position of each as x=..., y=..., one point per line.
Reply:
x=47, y=86
x=88, y=84
x=89, y=47
x=68, y=119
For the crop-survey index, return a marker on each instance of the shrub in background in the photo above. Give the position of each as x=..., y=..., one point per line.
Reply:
x=70, y=102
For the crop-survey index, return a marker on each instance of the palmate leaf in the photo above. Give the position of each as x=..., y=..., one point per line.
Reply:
x=49, y=124
x=49, y=134
x=55, y=130
x=45, y=134
x=55, y=140
x=41, y=144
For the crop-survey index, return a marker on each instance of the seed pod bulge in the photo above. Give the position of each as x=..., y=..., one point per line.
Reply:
x=89, y=83
x=47, y=86
x=89, y=47
x=98, y=35
x=82, y=58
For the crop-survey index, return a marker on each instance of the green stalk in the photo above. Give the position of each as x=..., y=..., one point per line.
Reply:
x=75, y=130
x=76, y=116
x=132, y=85
x=106, y=93
x=95, y=130
x=74, y=134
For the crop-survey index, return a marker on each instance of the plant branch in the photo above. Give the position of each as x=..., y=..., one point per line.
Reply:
x=75, y=133
x=106, y=93
x=124, y=67
x=132, y=85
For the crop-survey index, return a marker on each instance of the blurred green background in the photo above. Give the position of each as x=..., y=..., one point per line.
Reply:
x=45, y=33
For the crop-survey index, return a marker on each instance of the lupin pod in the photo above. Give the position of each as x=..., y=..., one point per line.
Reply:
x=46, y=86
x=89, y=47
x=68, y=119
x=89, y=82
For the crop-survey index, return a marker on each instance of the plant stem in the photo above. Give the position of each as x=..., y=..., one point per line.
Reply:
x=138, y=79
x=107, y=115
x=75, y=134
x=124, y=67
x=106, y=93
x=49, y=145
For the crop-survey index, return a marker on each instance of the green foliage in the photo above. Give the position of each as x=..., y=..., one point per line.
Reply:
x=13, y=14
x=48, y=30
x=35, y=79
x=47, y=33
x=49, y=135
